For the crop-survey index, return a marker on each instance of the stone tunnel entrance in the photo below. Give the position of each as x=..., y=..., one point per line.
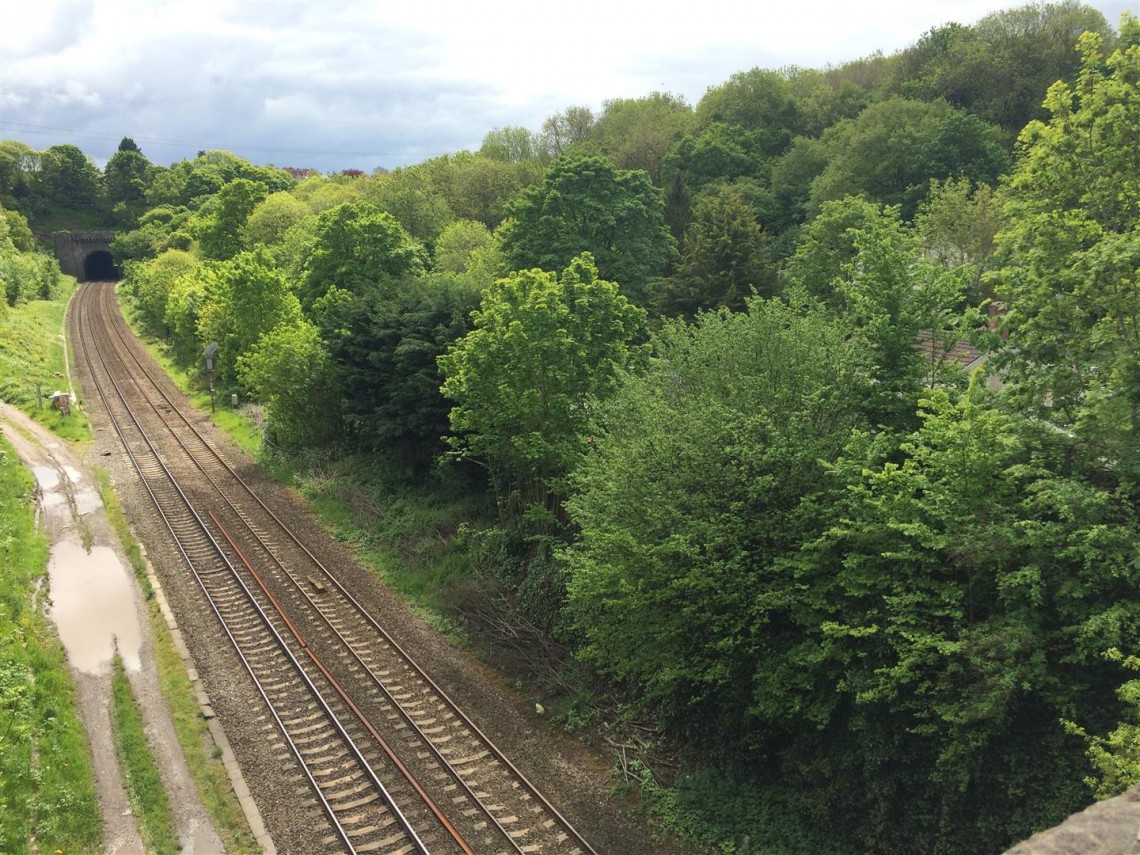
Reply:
x=85, y=255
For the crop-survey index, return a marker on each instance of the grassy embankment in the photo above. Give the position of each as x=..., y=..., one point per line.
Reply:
x=47, y=795
x=48, y=800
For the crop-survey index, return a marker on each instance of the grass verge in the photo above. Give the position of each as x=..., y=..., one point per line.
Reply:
x=48, y=800
x=149, y=801
x=33, y=356
x=198, y=747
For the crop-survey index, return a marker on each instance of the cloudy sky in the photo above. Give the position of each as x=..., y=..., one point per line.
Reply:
x=335, y=84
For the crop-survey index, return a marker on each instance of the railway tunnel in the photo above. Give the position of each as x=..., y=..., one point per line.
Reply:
x=86, y=255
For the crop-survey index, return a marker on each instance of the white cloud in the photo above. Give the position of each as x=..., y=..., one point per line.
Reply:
x=361, y=84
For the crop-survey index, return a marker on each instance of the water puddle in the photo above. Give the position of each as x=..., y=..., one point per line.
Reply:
x=48, y=480
x=93, y=608
x=86, y=496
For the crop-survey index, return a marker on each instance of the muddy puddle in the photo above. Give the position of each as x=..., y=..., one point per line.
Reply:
x=93, y=608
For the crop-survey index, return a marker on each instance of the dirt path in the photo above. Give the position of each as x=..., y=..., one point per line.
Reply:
x=97, y=606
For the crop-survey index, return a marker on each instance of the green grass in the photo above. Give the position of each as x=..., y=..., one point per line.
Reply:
x=206, y=768
x=149, y=801
x=407, y=533
x=32, y=354
x=48, y=800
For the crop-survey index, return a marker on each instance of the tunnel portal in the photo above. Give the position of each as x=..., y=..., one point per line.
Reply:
x=85, y=255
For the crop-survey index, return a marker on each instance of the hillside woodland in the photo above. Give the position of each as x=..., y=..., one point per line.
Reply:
x=678, y=386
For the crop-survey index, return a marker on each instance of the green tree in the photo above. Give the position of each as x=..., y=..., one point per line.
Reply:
x=637, y=133
x=895, y=147
x=289, y=369
x=149, y=283
x=125, y=180
x=1070, y=273
x=456, y=243
x=1027, y=48
x=724, y=258
x=858, y=259
x=511, y=144
x=246, y=298
x=356, y=246
x=957, y=224
x=956, y=608
x=691, y=490
x=543, y=347
x=68, y=179
x=411, y=196
x=385, y=346
x=758, y=100
x=221, y=219
x=271, y=218
x=568, y=132
x=585, y=205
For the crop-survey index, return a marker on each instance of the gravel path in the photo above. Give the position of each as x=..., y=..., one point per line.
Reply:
x=98, y=609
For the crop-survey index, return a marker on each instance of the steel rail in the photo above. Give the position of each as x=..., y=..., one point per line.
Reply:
x=530, y=788
x=332, y=717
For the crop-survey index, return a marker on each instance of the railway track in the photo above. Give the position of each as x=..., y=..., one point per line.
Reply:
x=392, y=763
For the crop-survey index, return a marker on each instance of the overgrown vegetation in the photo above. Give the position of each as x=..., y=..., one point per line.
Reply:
x=47, y=786
x=149, y=801
x=749, y=515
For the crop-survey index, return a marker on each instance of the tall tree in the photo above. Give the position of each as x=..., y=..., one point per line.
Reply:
x=221, y=219
x=895, y=147
x=637, y=133
x=584, y=204
x=357, y=246
x=724, y=258
x=544, y=345
x=126, y=178
x=1071, y=258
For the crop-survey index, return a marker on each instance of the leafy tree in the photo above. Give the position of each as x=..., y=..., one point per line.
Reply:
x=410, y=195
x=125, y=180
x=1027, y=48
x=221, y=220
x=17, y=231
x=189, y=182
x=718, y=153
x=271, y=218
x=149, y=283
x=760, y=101
x=858, y=259
x=356, y=246
x=585, y=205
x=184, y=302
x=688, y=495
x=457, y=242
x=724, y=258
x=543, y=347
x=567, y=131
x=478, y=187
x=956, y=608
x=246, y=298
x=957, y=224
x=637, y=133
x=67, y=179
x=158, y=230
x=1071, y=258
x=385, y=347
x=19, y=166
x=894, y=148
x=289, y=369
x=511, y=144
